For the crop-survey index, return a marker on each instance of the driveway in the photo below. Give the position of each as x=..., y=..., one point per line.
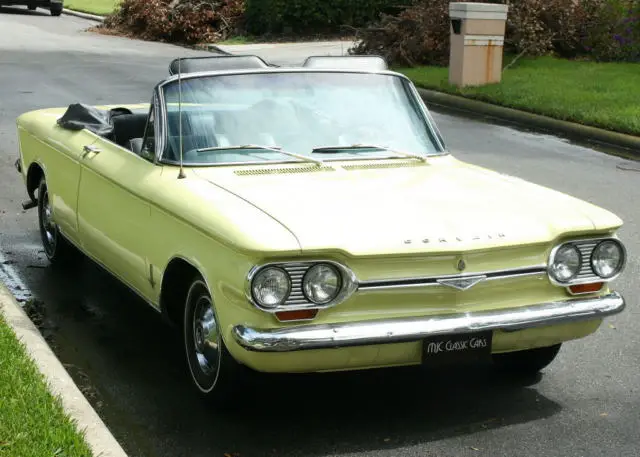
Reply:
x=127, y=361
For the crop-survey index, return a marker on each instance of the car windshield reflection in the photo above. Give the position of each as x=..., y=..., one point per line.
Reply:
x=296, y=112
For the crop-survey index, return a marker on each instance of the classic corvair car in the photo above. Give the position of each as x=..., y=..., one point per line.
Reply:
x=312, y=219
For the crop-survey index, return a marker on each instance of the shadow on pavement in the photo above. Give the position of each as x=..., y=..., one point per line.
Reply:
x=133, y=371
x=23, y=11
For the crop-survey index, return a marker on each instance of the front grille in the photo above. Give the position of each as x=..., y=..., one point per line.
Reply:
x=433, y=280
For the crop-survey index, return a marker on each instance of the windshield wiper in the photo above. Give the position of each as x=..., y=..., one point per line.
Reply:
x=261, y=148
x=353, y=147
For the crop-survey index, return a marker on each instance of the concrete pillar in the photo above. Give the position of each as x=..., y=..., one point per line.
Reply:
x=477, y=42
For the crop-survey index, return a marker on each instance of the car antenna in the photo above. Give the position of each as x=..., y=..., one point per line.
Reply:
x=181, y=175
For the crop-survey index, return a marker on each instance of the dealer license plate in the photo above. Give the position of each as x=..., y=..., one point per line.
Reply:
x=455, y=349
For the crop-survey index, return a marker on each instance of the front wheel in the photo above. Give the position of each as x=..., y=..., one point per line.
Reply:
x=56, y=9
x=57, y=249
x=528, y=362
x=214, y=372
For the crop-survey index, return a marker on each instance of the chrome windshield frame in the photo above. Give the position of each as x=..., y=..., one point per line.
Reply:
x=162, y=119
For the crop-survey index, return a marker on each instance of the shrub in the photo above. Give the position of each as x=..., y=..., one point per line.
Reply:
x=308, y=16
x=614, y=34
x=601, y=29
x=181, y=21
x=418, y=35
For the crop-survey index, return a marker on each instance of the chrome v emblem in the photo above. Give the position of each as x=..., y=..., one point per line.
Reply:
x=462, y=283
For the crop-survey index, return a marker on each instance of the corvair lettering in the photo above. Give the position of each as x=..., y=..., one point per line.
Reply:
x=460, y=239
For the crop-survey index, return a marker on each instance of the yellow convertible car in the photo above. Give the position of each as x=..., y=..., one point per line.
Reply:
x=311, y=218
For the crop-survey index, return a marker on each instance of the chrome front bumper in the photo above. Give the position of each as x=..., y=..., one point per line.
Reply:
x=324, y=336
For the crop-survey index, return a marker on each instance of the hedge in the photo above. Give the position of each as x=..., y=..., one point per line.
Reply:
x=603, y=30
x=309, y=16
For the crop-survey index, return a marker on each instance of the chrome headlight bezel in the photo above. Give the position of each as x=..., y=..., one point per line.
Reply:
x=306, y=279
x=297, y=299
x=552, y=262
x=263, y=271
x=587, y=274
x=621, y=265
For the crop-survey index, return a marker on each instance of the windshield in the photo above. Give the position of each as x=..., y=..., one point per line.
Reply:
x=299, y=113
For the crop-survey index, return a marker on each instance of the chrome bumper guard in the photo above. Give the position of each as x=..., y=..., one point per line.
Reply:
x=324, y=336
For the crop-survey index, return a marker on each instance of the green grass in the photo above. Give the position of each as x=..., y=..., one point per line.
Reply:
x=237, y=40
x=32, y=421
x=605, y=95
x=99, y=7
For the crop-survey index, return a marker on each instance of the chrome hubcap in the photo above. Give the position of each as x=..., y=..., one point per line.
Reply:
x=206, y=337
x=47, y=222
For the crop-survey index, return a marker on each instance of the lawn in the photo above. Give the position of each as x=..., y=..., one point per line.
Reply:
x=605, y=95
x=32, y=421
x=99, y=7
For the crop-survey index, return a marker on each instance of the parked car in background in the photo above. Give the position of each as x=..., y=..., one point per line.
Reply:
x=54, y=6
x=312, y=219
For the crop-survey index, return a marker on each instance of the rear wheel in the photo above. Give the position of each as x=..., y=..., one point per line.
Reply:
x=56, y=9
x=214, y=372
x=57, y=249
x=526, y=363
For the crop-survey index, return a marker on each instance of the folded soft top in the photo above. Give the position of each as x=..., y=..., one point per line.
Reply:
x=82, y=116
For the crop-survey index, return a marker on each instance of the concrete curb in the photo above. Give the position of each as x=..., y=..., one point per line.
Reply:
x=92, y=17
x=214, y=48
x=97, y=435
x=569, y=129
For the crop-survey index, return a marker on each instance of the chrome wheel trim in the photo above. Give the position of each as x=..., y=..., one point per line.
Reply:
x=206, y=336
x=203, y=342
x=49, y=229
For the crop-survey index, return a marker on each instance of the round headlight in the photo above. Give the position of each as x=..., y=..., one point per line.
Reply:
x=607, y=259
x=566, y=263
x=322, y=283
x=271, y=287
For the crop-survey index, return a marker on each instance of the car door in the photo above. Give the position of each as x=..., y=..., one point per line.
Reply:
x=114, y=210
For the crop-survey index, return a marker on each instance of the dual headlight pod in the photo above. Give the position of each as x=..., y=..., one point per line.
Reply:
x=605, y=260
x=313, y=285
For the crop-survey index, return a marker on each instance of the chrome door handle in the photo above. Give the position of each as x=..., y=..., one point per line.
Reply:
x=90, y=148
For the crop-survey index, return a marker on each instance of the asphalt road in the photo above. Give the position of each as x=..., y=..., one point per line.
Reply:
x=587, y=402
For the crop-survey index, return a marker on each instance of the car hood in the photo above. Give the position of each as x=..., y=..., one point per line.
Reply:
x=396, y=207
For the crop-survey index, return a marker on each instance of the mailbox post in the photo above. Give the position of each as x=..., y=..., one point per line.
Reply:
x=477, y=42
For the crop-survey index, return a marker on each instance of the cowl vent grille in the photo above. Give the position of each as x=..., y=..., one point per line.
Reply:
x=373, y=166
x=281, y=170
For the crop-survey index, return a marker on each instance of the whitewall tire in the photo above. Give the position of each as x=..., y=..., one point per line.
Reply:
x=214, y=372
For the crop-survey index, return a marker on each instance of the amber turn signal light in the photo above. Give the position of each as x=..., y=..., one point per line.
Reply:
x=299, y=315
x=586, y=288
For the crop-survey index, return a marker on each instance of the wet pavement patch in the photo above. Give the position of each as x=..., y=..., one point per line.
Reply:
x=36, y=310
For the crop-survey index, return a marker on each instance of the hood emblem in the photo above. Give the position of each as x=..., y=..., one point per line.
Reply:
x=462, y=283
x=461, y=264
